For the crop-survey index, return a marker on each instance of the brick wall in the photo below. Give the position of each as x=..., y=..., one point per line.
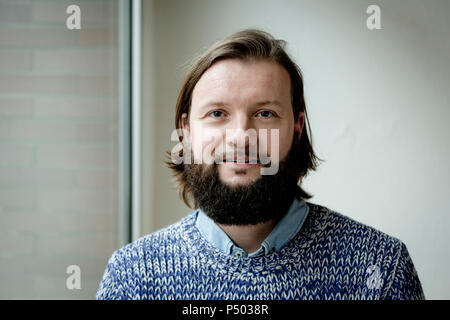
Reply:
x=58, y=146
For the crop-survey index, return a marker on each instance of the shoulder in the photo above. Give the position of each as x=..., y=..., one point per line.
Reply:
x=154, y=242
x=131, y=268
x=340, y=228
x=345, y=241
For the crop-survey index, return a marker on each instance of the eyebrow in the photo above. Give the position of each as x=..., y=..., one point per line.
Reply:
x=257, y=104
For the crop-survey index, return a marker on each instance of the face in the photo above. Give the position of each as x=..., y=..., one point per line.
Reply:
x=233, y=98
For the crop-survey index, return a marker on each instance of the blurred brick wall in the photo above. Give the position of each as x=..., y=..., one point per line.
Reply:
x=58, y=147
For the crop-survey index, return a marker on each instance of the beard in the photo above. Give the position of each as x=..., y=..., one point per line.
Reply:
x=269, y=197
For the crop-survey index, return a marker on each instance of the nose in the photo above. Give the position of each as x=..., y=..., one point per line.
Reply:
x=240, y=135
x=237, y=128
x=241, y=121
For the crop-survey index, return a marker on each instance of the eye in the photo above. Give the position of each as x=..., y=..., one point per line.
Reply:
x=265, y=114
x=215, y=114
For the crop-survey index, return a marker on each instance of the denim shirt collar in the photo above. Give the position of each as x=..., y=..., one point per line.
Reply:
x=281, y=234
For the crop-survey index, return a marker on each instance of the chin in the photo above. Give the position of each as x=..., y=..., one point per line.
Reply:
x=239, y=180
x=236, y=177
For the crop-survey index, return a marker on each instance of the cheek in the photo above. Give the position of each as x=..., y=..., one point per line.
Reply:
x=195, y=142
x=204, y=142
x=285, y=143
x=278, y=140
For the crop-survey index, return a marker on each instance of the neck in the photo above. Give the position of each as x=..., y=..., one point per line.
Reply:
x=249, y=237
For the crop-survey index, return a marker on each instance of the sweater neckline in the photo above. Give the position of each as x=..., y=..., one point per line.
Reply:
x=291, y=253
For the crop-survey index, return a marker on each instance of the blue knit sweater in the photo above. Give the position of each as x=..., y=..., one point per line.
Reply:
x=332, y=257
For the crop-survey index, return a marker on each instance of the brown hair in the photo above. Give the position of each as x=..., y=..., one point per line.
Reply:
x=246, y=44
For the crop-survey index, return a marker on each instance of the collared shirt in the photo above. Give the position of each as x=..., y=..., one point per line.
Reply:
x=281, y=234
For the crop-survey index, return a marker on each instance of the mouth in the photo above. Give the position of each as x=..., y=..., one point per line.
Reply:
x=242, y=164
x=246, y=160
x=253, y=159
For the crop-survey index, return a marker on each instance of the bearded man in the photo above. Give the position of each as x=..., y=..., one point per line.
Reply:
x=252, y=233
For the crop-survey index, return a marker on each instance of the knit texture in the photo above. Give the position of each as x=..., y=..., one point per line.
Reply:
x=331, y=257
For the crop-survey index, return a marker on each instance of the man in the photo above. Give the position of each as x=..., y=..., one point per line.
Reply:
x=253, y=234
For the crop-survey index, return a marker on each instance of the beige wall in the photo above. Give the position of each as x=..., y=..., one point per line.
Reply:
x=378, y=103
x=58, y=147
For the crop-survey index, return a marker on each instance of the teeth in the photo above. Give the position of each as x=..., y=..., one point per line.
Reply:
x=246, y=161
x=240, y=161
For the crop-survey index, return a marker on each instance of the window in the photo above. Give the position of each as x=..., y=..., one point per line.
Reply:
x=64, y=145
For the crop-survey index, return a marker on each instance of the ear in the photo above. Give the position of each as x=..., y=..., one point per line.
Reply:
x=298, y=126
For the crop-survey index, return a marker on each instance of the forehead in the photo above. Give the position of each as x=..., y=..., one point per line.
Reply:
x=234, y=81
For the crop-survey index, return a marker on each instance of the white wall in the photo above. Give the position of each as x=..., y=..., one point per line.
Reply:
x=378, y=103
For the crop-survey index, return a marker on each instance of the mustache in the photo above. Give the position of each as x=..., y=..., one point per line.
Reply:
x=241, y=156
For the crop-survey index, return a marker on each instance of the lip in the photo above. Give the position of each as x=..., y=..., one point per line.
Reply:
x=242, y=165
